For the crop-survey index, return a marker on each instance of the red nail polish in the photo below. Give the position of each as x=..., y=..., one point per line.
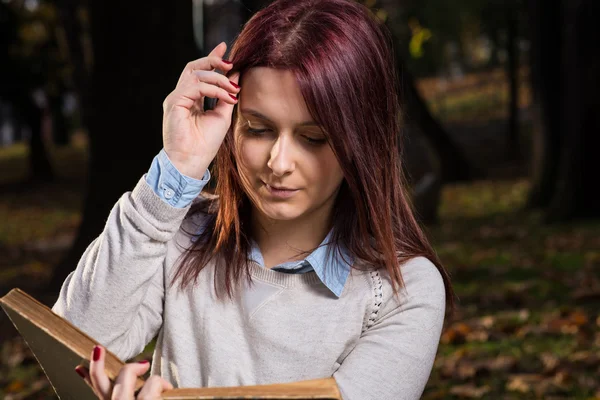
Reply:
x=143, y=362
x=234, y=85
x=227, y=62
x=233, y=97
x=96, y=355
x=80, y=372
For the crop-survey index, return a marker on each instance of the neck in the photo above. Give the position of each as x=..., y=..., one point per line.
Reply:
x=281, y=241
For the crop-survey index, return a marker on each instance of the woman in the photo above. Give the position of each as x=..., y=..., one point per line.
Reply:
x=308, y=261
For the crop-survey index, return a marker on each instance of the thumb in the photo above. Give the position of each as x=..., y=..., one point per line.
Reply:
x=166, y=385
x=153, y=388
x=143, y=364
x=125, y=382
x=224, y=109
x=142, y=367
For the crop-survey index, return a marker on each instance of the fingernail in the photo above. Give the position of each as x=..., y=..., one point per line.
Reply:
x=143, y=362
x=234, y=85
x=227, y=62
x=233, y=97
x=80, y=372
x=96, y=355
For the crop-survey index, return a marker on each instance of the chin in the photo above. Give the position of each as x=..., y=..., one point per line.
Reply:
x=281, y=212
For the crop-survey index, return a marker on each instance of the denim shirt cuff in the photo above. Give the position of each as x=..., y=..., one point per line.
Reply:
x=172, y=186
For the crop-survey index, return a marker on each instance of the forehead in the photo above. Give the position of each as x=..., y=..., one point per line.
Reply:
x=275, y=94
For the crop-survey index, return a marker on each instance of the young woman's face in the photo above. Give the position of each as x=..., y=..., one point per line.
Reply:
x=280, y=146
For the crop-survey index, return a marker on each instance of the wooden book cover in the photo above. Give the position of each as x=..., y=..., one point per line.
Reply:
x=59, y=347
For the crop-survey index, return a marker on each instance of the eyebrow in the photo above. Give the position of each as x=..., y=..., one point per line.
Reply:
x=261, y=116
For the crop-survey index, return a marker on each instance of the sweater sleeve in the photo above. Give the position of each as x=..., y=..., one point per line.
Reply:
x=116, y=292
x=394, y=356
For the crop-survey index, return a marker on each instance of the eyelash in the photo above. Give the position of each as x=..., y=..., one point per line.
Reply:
x=258, y=132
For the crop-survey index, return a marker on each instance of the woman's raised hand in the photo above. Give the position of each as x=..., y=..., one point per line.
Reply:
x=192, y=136
x=124, y=385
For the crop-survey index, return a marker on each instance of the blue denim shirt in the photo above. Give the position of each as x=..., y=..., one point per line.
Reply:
x=179, y=190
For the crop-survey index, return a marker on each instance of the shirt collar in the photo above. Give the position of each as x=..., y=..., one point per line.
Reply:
x=332, y=269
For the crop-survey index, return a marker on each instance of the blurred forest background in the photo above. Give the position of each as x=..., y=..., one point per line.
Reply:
x=502, y=121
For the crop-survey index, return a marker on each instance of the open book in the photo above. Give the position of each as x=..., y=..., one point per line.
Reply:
x=59, y=347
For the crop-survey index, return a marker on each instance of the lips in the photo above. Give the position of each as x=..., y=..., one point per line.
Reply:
x=280, y=192
x=279, y=187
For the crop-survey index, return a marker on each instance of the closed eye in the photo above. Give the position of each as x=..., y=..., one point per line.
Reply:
x=309, y=140
x=256, y=131
x=315, y=141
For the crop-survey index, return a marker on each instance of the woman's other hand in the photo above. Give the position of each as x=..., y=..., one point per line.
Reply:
x=124, y=385
x=191, y=135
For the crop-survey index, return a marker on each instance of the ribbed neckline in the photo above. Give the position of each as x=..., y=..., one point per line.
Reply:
x=282, y=278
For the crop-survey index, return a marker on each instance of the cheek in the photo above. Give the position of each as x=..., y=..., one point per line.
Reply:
x=327, y=171
x=251, y=155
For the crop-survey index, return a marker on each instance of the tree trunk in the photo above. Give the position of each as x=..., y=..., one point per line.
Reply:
x=75, y=26
x=39, y=162
x=574, y=196
x=139, y=53
x=60, y=130
x=454, y=166
x=565, y=77
x=545, y=74
x=512, y=72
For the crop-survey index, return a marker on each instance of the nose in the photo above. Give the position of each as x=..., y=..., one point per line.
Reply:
x=281, y=158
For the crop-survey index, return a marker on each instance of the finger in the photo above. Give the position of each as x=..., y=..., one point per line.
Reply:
x=225, y=108
x=217, y=79
x=189, y=95
x=153, y=387
x=213, y=60
x=100, y=381
x=204, y=64
x=125, y=383
x=209, y=63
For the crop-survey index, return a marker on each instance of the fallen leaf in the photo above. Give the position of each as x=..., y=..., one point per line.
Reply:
x=487, y=321
x=15, y=386
x=501, y=363
x=469, y=391
x=561, y=378
x=569, y=324
x=586, y=358
x=465, y=371
x=477, y=336
x=550, y=361
x=523, y=382
x=518, y=384
x=578, y=318
x=524, y=315
x=456, y=333
x=437, y=394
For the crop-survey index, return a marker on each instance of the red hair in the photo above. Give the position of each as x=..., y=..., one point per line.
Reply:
x=342, y=59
